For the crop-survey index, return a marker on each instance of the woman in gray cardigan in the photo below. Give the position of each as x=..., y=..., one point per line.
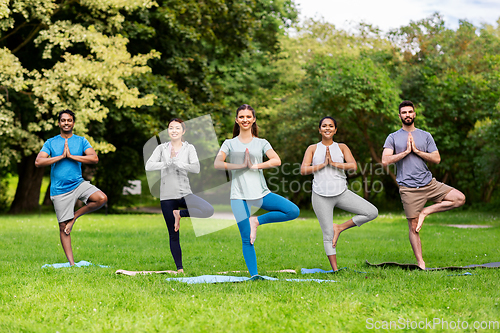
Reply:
x=175, y=159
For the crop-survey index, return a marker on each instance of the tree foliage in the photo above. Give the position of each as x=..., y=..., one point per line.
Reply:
x=59, y=55
x=127, y=67
x=453, y=75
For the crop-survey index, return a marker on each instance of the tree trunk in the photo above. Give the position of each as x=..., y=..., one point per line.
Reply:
x=28, y=188
x=46, y=199
x=445, y=178
x=373, y=152
x=366, y=190
x=489, y=190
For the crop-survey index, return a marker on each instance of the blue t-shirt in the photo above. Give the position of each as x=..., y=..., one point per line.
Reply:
x=66, y=174
x=411, y=171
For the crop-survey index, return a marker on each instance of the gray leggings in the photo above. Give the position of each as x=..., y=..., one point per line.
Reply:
x=348, y=201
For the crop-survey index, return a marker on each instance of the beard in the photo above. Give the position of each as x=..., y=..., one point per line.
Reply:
x=407, y=122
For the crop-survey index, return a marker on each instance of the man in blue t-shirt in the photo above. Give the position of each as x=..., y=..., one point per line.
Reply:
x=65, y=153
x=410, y=148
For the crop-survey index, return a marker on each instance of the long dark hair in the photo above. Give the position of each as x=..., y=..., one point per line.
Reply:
x=236, y=128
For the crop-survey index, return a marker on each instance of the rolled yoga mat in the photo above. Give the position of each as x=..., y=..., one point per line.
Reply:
x=414, y=266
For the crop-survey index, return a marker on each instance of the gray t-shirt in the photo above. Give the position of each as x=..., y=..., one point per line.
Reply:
x=412, y=170
x=246, y=184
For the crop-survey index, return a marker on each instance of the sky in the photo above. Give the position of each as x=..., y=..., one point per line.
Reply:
x=391, y=14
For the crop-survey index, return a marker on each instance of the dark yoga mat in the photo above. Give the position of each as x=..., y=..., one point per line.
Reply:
x=453, y=268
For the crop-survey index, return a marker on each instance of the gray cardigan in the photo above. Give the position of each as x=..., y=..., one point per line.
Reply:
x=174, y=170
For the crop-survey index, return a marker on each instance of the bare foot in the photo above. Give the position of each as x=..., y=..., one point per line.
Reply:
x=336, y=234
x=421, y=265
x=180, y=271
x=177, y=216
x=421, y=218
x=69, y=226
x=254, y=223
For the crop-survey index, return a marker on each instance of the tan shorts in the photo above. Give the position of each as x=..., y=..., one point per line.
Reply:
x=415, y=198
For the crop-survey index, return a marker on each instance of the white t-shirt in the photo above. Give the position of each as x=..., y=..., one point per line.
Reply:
x=246, y=184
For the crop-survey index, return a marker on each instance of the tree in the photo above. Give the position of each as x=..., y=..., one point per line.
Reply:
x=324, y=71
x=453, y=78
x=204, y=46
x=59, y=55
x=360, y=95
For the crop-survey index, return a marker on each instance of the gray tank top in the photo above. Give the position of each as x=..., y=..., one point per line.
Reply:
x=329, y=181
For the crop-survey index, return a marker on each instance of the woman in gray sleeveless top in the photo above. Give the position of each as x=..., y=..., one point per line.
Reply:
x=328, y=161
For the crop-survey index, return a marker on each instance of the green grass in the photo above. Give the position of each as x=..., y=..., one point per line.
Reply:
x=94, y=299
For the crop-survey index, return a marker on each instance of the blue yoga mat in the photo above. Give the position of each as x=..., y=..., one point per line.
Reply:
x=82, y=263
x=223, y=278
x=464, y=274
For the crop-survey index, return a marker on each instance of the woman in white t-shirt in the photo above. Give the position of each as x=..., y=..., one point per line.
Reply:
x=248, y=186
x=175, y=159
x=328, y=161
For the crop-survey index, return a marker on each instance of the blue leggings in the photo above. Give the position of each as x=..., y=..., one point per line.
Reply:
x=280, y=210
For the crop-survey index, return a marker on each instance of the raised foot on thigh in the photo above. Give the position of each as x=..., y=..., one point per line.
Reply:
x=177, y=223
x=69, y=226
x=336, y=234
x=254, y=223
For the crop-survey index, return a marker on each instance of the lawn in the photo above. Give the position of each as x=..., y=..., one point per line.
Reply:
x=94, y=299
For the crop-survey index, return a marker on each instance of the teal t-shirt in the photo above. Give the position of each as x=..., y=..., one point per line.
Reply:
x=247, y=184
x=66, y=174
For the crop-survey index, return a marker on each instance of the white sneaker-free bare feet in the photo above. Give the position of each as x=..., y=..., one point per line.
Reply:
x=69, y=226
x=336, y=234
x=177, y=216
x=421, y=218
x=254, y=223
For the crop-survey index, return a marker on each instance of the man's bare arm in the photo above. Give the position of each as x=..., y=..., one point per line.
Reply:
x=43, y=159
x=388, y=156
x=433, y=157
x=90, y=156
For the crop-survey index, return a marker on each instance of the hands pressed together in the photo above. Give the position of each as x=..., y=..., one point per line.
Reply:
x=248, y=161
x=328, y=158
x=410, y=145
x=66, y=153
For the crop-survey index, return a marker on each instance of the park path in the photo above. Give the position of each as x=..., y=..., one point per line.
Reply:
x=157, y=210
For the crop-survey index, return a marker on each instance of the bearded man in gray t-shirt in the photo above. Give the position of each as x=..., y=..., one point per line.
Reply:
x=410, y=149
